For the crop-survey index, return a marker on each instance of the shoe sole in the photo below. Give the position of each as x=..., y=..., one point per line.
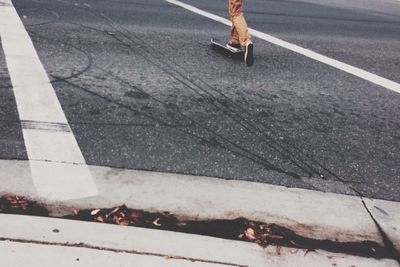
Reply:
x=248, y=57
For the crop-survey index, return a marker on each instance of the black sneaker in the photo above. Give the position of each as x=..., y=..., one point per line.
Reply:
x=248, y=55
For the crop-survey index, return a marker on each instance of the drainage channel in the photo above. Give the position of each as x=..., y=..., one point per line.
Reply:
x=240, y=229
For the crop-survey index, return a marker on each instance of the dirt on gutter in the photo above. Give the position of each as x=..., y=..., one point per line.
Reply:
x=241, y=229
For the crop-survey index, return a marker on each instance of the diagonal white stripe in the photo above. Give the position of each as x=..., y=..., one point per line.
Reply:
x=368, y=76
x=58, y=168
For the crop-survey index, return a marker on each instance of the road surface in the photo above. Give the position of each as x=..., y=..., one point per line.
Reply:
x=141, y=89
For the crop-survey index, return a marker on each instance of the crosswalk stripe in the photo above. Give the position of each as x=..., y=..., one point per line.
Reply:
x=58, y=168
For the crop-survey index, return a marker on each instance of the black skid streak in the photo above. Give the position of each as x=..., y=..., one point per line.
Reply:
x=158, y=60
x=45, y=126
x=192, y=84
x=310, y=166
x=75, y=74
x=196, y=84
x=243, y=152
x=55, y=14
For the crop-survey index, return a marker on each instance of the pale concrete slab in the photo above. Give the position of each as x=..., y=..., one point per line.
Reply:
x=315, y=214
x=131, y=239
x=299, y=258
x=310, y=213
x=32, y=255
x=16, y=178
x=387, y=214
x=45, y=240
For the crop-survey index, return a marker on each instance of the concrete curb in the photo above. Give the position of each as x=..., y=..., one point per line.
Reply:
x=50, y=255
x=309, y=213
x=38, y=241
x=387, y=215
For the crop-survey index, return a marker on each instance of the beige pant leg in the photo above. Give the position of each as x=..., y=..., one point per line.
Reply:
x=234, y=35
x=239, y=32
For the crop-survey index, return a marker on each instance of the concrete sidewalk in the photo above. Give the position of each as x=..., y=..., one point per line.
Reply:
x=37, y=241
x=312, y=214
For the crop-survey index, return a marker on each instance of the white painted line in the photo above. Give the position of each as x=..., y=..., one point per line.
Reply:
x=58, y=169
x=368, y=76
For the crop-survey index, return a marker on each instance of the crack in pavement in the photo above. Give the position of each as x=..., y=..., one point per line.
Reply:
x=386, y=240
x=84, y=245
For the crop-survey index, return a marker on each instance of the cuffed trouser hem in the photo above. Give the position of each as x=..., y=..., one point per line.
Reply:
x=239, y=30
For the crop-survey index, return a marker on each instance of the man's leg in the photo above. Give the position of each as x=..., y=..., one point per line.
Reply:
x=234, y=36
x=239, y=26
x=239, y=29
x=234, y=40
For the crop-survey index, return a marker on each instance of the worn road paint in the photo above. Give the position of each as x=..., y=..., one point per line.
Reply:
x=58, y=169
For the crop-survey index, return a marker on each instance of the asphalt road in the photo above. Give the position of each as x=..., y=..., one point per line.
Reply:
x=142, y=89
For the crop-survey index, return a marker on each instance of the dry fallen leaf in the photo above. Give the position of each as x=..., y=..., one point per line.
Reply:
x=116, y=219
x=306, y=251
x=99, y=219
x=157, y=222
x=278, y=250
x=74, y=211
x=113, y=211
x=9, y=197
x=94, y=212
x=250, y=234
x=123, y=222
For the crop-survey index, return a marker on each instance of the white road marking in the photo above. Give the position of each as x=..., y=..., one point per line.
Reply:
x=368, y=76
x=58, y=169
